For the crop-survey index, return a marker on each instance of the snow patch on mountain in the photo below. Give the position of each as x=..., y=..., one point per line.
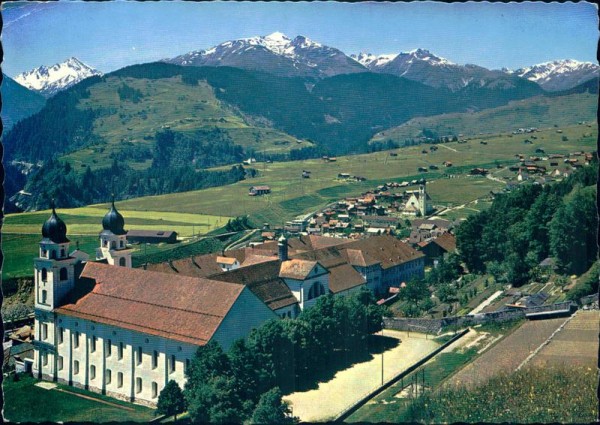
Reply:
x=50, y=80
x=558, y=74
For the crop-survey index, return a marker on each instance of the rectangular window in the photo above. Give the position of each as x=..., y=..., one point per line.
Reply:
x=120, y=351
x=139, y=355
x=138, y=385
x=44, y=331
x=92, y=372
x=60, y=363
x=75, y=367
x=76, y=340
x=93, y=343
x=61, y=335
x=45, y=359
x=108, y=348
x=154, y=390
x=108, y=376
x=154, y=359
x=120, y=379
x=172, y=364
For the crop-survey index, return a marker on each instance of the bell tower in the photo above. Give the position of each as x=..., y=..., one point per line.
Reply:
x=113, y=239
x=422, y=199
x=54, y=276
x=54, y=267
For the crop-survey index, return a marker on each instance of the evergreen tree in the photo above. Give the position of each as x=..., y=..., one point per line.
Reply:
x=271, y=409
x=170, y=400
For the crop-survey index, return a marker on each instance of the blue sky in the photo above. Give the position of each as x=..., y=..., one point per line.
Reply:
x=110, y=35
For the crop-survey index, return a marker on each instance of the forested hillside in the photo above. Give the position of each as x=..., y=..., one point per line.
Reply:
x=531, y=223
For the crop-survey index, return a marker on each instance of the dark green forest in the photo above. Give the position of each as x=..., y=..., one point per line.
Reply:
x=531, y=223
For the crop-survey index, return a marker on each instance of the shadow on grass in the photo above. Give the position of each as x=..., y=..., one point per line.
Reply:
x=342, y=360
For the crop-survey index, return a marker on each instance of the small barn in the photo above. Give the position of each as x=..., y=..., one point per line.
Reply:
x=151, y=236
x=259, y=190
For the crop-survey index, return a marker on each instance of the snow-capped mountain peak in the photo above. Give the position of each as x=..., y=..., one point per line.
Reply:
x=50, y=80
x=368, y=59
x=276, y=53
x=558, y=74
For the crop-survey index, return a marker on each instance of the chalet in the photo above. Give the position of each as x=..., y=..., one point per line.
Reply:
x=422, y=170
x=438, y=247
x=259, y=190
x=479, y=172
x=343, y=175
x=228, y=263
x=151, y=236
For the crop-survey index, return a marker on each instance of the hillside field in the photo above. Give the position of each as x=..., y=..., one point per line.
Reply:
x=540, y=112
x=175, y=105
x=21, y=233
x=291, y=195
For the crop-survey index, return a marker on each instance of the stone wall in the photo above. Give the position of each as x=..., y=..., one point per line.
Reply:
x=434, y=326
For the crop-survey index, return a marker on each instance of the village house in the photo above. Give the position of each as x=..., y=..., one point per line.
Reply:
x=259, y=190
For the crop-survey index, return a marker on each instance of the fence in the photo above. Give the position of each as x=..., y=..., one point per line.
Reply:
x=355, y=406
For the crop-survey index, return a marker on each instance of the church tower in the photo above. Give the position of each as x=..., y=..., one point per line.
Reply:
x=282, y=248
x=113, y=239
x=54, y=276
x=422, y=199
x=54, y=267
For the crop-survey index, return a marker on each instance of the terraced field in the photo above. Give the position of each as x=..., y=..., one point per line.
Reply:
x=575, y=345
x=507, y=354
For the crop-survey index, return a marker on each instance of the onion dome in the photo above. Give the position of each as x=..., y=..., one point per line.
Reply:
x=54, y=228
x=113, y=221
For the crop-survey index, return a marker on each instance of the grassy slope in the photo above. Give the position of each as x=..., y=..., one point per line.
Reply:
x=291, y=195
x=540, y=111
x=166, y=102
x=21, y=399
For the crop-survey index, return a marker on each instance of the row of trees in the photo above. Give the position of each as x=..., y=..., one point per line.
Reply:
x=244, y=383
x=525, y=226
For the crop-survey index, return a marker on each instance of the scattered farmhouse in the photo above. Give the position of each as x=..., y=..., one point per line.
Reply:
x=259, y=190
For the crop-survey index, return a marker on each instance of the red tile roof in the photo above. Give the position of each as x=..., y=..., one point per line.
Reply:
x=296, y=269
x=446, y=241
x=186, y=309
x=386, y=249
x=344, y=277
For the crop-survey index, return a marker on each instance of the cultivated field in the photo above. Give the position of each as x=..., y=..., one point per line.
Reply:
x=575, y=345
x=506, y=355
x=21, y=233
x=349, y=385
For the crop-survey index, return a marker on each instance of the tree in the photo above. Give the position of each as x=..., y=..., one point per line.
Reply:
x=170, y=400
x=415, y=291
x=271, y=409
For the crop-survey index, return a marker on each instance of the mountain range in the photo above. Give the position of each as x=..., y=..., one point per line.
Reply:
x=283, y=56
x=49, y=80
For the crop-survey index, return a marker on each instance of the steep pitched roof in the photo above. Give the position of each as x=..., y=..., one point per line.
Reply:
x=186, y=309
x=357, y=257
x=446, y=241
x=296, y=269
x=263, y=280
x=344, y=277
x=386, y=249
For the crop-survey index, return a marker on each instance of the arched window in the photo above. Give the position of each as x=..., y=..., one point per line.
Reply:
x=113, y=245
x=62, y=252
x=316, y=290
x=104, y=243
x=44, y=275
x=121, y=244
x=52, y=254
x=64, y=274
x=122, y=261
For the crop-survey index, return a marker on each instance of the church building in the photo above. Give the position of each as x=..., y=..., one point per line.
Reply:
x=106, y=327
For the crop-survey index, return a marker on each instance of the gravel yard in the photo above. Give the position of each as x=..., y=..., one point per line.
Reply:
x=349, y=385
